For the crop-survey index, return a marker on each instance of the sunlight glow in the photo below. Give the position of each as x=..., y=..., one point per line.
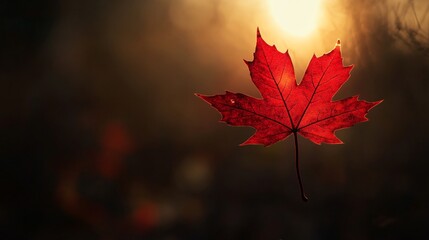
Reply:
x=297, y=17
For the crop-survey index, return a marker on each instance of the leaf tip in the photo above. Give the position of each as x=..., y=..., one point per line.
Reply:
x=203, y=97
x=335, y=139
x=246, y=143
x=376, y=103
x=258, y=33
x=200, y=95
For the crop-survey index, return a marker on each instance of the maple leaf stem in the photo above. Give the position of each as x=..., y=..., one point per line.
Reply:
x=304, y=198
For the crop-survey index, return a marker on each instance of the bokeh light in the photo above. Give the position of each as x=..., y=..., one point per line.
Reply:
x=298, y=18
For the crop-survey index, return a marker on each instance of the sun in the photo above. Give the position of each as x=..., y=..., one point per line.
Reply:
x=297, y=17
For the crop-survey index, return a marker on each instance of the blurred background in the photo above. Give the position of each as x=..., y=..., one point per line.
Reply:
x=103, y=138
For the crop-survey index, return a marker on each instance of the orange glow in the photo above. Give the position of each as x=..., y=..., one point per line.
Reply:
x=298, y=18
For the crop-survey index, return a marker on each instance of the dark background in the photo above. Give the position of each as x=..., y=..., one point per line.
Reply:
x=102, y=137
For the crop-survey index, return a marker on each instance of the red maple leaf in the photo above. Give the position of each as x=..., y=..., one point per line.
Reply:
x=288, y=108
